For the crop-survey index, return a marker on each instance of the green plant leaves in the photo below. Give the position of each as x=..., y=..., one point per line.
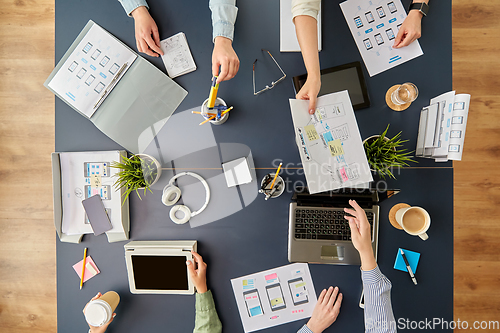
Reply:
x=135, y=172
x=383, y=154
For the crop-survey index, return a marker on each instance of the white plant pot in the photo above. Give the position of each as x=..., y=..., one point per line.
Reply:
x=157, y=164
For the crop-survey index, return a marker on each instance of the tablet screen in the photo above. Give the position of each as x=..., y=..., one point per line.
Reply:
x=344, y=77
x=160, y=272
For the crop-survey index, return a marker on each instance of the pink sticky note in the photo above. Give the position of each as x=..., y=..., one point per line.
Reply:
x=344, y=174
x=88, y=274
x=271, y=276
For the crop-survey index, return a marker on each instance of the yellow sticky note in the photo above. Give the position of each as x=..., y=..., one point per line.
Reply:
x=298, y=285
x=95, y=180
x=311, y=132
x=335, y=147
x=276, y=301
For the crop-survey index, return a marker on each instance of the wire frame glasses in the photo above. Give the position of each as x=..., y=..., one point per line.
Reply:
x=272, y=83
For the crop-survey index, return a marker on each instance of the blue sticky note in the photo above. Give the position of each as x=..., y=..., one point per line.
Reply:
x=413, y=258
x=255, y=311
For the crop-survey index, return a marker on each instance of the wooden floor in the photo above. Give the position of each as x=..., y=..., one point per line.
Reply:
x=27, y=237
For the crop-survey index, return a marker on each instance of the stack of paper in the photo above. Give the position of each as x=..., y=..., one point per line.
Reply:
x=441, y=131
x=177, y=56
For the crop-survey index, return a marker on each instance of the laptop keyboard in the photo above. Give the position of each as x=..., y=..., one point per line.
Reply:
x=324, y=224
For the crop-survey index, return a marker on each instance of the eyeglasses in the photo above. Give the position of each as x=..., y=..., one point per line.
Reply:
x=272, y=83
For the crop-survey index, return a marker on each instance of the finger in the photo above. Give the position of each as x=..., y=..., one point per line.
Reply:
x=399, y=38
x=237, y=65
x=360, y=212
x=224, y=69
x=215, y=68
x=197, y=257
x=96, y=296
x=190, y=267
x=328, y=295
x=350, y=211
x=332, y=299
x=152, y=45
x=410, y=38
x=354, y=228
x=321, y=296
x=145, y=49
x=232, y=70
x=312, y=104
x=156, y=37
x=338, y=303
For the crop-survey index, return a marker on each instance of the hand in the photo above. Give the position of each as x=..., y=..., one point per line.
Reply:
x=102, y=329
x=410, y=31
x=198, y=275
x=309, y=91
x=326, y=310
x=145, y=26
x=224, y=56
x=361, y=235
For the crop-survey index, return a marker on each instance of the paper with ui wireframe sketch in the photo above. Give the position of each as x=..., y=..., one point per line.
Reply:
x=288, y=37
x=177, y=56
x=88, y=71
x=329, y=143
x=374, y=25
x=274, y=297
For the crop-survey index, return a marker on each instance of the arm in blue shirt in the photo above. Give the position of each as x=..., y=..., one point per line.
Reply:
x=130, y=5
x=224, y=14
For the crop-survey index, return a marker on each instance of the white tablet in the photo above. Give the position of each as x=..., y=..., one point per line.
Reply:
x=159, y=267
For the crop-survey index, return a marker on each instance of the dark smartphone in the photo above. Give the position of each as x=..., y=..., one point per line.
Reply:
x=96, y=213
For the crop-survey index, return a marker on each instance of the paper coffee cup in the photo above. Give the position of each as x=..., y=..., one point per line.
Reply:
x=100, y=311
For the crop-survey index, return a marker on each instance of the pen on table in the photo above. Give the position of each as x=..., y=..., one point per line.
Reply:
x=213, y=93
x=408, y=267
x=110, y=85
x=83, y=267
x=212, y=117
x=276, y=176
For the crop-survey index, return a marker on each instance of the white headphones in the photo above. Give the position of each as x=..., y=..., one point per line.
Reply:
x=171, y=194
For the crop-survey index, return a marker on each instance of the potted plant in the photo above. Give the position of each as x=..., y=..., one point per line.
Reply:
x=383, y=153
x=137, y=172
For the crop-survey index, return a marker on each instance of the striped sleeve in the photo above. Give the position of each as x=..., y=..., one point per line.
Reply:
x=305, y=329
x=378, y=308
x=305, y=7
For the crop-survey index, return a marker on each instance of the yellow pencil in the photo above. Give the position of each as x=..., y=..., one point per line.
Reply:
x=276, y=176
x=223, y=113
x=83, y=267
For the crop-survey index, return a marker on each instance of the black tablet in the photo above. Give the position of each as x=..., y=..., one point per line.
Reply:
x=345, y=77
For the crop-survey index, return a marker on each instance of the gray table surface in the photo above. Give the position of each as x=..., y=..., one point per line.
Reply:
x=255, y=238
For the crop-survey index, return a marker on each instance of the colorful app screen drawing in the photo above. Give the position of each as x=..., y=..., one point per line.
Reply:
x=275, y=296
x=252, y=301
x=298, y=291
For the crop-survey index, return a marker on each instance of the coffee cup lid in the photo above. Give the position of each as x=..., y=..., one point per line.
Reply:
x=97, y=313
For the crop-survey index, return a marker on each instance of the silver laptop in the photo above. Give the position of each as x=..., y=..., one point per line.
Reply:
x=318, y=231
